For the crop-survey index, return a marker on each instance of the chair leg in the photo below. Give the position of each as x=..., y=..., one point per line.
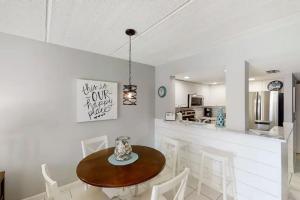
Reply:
x=201, y=174
x=224, y=181
x=86, y=187
x=136, y=190
x=70, y=194
x=232, y=174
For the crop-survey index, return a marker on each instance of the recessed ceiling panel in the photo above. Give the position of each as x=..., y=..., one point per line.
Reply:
x=99, y=25
x=24, y=18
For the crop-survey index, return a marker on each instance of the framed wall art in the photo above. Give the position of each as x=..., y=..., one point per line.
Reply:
x=96, y=100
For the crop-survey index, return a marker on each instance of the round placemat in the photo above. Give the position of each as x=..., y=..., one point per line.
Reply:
x=112, y=160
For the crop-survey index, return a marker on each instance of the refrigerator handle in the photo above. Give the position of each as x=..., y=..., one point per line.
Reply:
x=258, y=106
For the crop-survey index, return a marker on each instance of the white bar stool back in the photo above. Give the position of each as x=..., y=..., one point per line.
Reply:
x=227, y=170
x=170, y=148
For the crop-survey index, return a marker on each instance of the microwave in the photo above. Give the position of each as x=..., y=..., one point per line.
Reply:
x=195, y=100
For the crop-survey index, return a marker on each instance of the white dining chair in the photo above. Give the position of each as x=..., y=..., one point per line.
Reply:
x=53, y=192
x=92, y=145
x=164, y=191
x=170, y=148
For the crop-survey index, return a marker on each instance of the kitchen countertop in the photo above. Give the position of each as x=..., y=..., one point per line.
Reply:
x=211, y=118
x=275, y=132
x=280, y=133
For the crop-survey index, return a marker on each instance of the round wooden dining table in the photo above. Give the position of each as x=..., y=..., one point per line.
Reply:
x=97, y=171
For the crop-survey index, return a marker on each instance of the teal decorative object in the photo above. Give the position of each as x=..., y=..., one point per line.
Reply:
x=133, y=157
x=220, y=118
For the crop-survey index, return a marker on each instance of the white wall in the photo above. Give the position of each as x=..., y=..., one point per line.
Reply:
x=214, y=95
x=237, y=96
x=289, y=82
x=38, y=110
x=217, y=95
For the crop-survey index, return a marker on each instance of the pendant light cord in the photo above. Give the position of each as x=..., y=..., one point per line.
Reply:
x=129, y=60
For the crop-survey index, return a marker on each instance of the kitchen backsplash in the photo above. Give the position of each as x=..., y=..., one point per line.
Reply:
x=199, y=112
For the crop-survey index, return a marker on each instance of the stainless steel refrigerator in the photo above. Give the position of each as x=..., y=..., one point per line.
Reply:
x=265, y=110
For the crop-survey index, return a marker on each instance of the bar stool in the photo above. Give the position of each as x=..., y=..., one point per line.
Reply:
x=174, y=150
x=227, y=170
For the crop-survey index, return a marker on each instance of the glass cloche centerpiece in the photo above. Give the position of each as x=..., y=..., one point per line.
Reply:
x=123, y=149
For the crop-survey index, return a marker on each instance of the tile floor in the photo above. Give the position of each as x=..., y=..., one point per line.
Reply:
x=294, y=188
x=210, y=194
x=206, y=192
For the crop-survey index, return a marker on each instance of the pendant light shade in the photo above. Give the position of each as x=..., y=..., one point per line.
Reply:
x=129, y=91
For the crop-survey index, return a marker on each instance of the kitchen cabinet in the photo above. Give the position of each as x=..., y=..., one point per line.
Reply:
x=214, y=95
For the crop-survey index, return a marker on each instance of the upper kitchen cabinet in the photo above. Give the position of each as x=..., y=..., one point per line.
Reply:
x=200, y=96
x=212, y=94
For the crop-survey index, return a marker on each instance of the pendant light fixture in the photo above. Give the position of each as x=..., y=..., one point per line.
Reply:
x=129, y=91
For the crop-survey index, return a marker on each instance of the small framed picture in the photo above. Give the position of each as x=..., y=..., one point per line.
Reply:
x=170, y=116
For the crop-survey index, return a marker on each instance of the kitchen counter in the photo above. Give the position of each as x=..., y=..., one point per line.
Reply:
x=214, y=119
x=260, y=163
x=278, y=133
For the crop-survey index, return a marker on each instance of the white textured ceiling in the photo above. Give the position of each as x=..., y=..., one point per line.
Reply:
x=23, y=18
x=167, y=29
x=285, y=64
x=204, y=75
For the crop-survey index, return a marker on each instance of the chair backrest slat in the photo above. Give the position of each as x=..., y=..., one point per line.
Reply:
x=180, y=182
x=92, y=145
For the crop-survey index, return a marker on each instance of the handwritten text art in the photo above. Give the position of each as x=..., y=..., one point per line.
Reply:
x=96, y=100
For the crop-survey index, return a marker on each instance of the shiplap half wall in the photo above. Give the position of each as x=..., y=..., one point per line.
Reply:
x=258, y=166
